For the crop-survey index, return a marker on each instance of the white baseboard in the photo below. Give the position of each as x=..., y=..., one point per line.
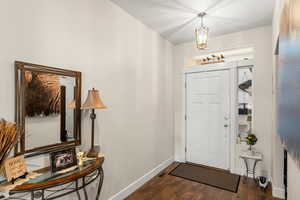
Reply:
x=141, y=181
x=179, y=160
x=278, y=192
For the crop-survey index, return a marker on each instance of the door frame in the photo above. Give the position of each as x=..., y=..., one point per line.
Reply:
x=232, y=68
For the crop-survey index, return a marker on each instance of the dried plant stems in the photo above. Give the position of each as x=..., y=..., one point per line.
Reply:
x=9, y=136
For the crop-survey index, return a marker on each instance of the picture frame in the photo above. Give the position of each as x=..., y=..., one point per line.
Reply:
x=15, y=168
x=63, y=159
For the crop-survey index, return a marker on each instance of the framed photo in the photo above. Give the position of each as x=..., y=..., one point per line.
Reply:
x=63, y=159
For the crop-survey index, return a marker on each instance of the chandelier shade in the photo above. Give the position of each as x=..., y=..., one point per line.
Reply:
x=202, y=34
x=202, y=37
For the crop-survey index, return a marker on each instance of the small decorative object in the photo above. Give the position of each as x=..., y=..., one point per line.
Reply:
x=246, y=86
x=249, y=118
x=63, y=159
x=263, y=182
x=251, y=140
x=243, y=110
x=93, y=102
x=15, y=168
x=80, y=157
x=100, y=155
x=213, y=59
x=9, y=136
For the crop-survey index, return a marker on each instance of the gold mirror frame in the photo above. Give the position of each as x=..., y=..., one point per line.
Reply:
x=20, y=68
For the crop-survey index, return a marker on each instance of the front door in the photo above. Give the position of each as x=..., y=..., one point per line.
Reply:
x=207, y=118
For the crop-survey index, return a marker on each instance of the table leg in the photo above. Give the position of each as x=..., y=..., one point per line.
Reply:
x=247, y=168
x=85, y=194
x=78, y=195
x=84, y=190
x=101, y=177
x=43, y=195
x=254, y=166
x=32, y=195
x=77, y=191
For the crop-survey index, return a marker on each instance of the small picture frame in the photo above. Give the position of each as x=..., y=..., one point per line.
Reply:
x=14, y=168
x=63, y=159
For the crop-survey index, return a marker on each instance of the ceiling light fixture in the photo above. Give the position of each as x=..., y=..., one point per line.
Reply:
x=201, y=34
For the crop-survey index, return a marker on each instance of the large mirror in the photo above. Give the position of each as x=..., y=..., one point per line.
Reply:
x=47, y=108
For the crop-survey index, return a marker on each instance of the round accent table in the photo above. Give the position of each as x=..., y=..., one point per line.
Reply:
x=50, y=185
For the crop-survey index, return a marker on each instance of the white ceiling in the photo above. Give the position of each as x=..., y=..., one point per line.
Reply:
x=176, y=20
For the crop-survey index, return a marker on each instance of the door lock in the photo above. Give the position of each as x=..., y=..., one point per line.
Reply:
x=226, y=125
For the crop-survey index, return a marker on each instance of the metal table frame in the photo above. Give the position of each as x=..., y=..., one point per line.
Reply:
x=256, y=158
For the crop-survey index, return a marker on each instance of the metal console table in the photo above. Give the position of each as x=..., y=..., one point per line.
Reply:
x=50, y=186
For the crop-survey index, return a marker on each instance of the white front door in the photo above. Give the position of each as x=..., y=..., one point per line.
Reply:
x=207, y=118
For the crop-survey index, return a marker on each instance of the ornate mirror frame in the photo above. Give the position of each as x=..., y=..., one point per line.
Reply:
x=20, y=68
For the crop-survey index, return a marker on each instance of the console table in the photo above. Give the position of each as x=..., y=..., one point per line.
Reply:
x=50, y=185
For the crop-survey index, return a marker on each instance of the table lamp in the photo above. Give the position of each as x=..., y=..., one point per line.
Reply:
x=93, y=102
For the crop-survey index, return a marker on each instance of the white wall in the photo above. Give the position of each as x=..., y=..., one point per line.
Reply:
x=260, y=40
x=277, y=149
x=130, y=64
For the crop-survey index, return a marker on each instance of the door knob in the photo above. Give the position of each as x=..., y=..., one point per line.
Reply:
x=225, y=125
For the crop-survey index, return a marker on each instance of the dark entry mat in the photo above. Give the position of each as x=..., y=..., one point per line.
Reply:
x=211, y=177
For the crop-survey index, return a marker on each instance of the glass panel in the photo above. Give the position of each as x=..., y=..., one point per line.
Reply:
x=245, y=101
x=48, y=175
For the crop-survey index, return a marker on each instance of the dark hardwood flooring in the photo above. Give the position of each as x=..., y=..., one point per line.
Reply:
x=167, y=187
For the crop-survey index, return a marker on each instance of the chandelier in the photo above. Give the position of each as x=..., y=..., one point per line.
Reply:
x=201, y=34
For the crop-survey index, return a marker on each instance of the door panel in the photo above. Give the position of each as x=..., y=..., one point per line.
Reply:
x=207, y=109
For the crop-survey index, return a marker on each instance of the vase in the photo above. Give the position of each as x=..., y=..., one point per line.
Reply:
x=251, y=150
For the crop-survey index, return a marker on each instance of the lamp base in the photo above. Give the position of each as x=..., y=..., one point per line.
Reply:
x=92, y=153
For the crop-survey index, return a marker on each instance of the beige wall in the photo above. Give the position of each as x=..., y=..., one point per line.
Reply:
x=260, y=40
x=129, y=63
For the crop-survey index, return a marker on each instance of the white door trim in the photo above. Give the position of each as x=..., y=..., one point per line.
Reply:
x=232, y=67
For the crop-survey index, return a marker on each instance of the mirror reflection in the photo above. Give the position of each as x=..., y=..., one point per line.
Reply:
x=49, y=108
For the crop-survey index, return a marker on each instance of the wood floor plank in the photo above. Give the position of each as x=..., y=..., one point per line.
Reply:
x=167, y=187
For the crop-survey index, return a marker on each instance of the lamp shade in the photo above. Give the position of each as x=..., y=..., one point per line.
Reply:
x=72, y=104
x=93, y=101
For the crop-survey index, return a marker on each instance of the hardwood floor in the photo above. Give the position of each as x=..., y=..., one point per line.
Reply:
x=167, y=187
